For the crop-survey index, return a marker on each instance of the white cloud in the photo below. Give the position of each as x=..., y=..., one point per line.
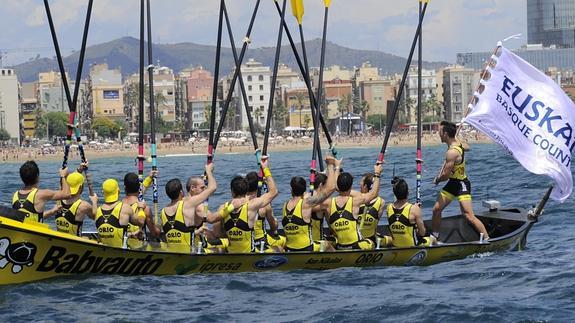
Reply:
x=36, y=17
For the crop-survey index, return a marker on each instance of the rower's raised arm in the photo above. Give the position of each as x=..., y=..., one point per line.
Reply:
x=210, y=189
x=272, y=192
x=333, y=166
x=373, y=193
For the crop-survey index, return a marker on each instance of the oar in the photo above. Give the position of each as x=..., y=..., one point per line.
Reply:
x=298, y=12
x=418, y=154
x=401, y=86
x=307, y=81
x=152, y=116
x=228, y=99
x=215, y=86
x=141, y=107
x=242, y=88
x=319, y=93
x=274, y=78
x=71, y=102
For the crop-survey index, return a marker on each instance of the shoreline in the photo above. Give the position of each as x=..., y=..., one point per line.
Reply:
x=185, y=149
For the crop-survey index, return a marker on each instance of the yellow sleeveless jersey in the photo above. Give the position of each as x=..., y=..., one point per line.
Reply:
x=178, y=235
x=66, y=219
x=110, y=230
x=369, y=218
x=240, y=235
x=402, y=231
x=458, y=171
x=343, y=224
x=316, y=227
x=25, y=203
x=297, y=231
x=259, y=228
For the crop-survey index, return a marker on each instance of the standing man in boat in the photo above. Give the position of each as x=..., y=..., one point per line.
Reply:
x=297, y=212
x=72, y=212
x=240, y=214
x=404, y=219
x=32, y=200
x=458, y=185
x=113, y=217
x=262, y=240
x=370, y=213
x=344, y=211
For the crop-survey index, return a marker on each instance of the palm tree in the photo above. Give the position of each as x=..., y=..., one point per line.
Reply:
x=300, y=98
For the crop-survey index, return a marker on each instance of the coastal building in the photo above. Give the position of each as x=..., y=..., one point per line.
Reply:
x=298, y=107
x=107, y=92
x=200, y=83
x=428, y=90
x=256, y=79
x=9, y=114
x=28, y=108
x=164, y=84
x=458, y=87
x=377, y=94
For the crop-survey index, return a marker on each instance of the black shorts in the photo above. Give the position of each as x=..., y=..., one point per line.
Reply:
x=456, y=188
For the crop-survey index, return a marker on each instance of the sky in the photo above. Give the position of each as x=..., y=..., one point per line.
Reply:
x=450, y=26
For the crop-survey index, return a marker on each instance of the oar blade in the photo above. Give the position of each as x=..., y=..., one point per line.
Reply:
x=297, y=10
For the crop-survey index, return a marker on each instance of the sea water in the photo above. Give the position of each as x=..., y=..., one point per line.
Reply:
x=535, y=284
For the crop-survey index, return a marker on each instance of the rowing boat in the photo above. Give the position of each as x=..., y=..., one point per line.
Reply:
x=31, y=252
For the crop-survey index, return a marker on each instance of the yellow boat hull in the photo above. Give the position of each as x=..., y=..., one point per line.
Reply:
x=31, y=252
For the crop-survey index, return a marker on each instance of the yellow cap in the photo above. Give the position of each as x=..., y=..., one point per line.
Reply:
x=111, y=190
x=75, y=180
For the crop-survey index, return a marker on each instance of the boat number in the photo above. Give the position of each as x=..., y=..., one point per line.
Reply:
x=371, y=258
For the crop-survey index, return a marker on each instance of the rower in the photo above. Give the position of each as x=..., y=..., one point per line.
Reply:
x=178, y=234
x=214, y=239
x=370, y=213
x=458, y=185
x=262, y=240
x=198, y=194
x=113, y=217
x=318, y=214
x=135, y=233
x=73, y=211
x=240, y=214
x=344, y=208
x=404, y=219
x=297, y=211
x=32, y=200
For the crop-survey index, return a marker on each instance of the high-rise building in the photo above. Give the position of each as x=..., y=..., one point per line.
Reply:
x=28, y=108
x=9, y=114
x=551, y=22
x=458, y=87
x=257, y=79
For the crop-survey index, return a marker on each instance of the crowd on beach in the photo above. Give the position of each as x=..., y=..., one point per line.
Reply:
x=199, y=146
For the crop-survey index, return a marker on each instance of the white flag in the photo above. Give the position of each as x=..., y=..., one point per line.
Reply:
x=531, y=117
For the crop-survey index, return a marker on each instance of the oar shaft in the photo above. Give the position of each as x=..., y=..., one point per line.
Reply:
x=242, y=86
x=274, y=78
x=228, y=99
x=215, y=85
x=317, y=146
x=152, y=114
x=141, y=103
x=401, y=86
x=418, y=159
